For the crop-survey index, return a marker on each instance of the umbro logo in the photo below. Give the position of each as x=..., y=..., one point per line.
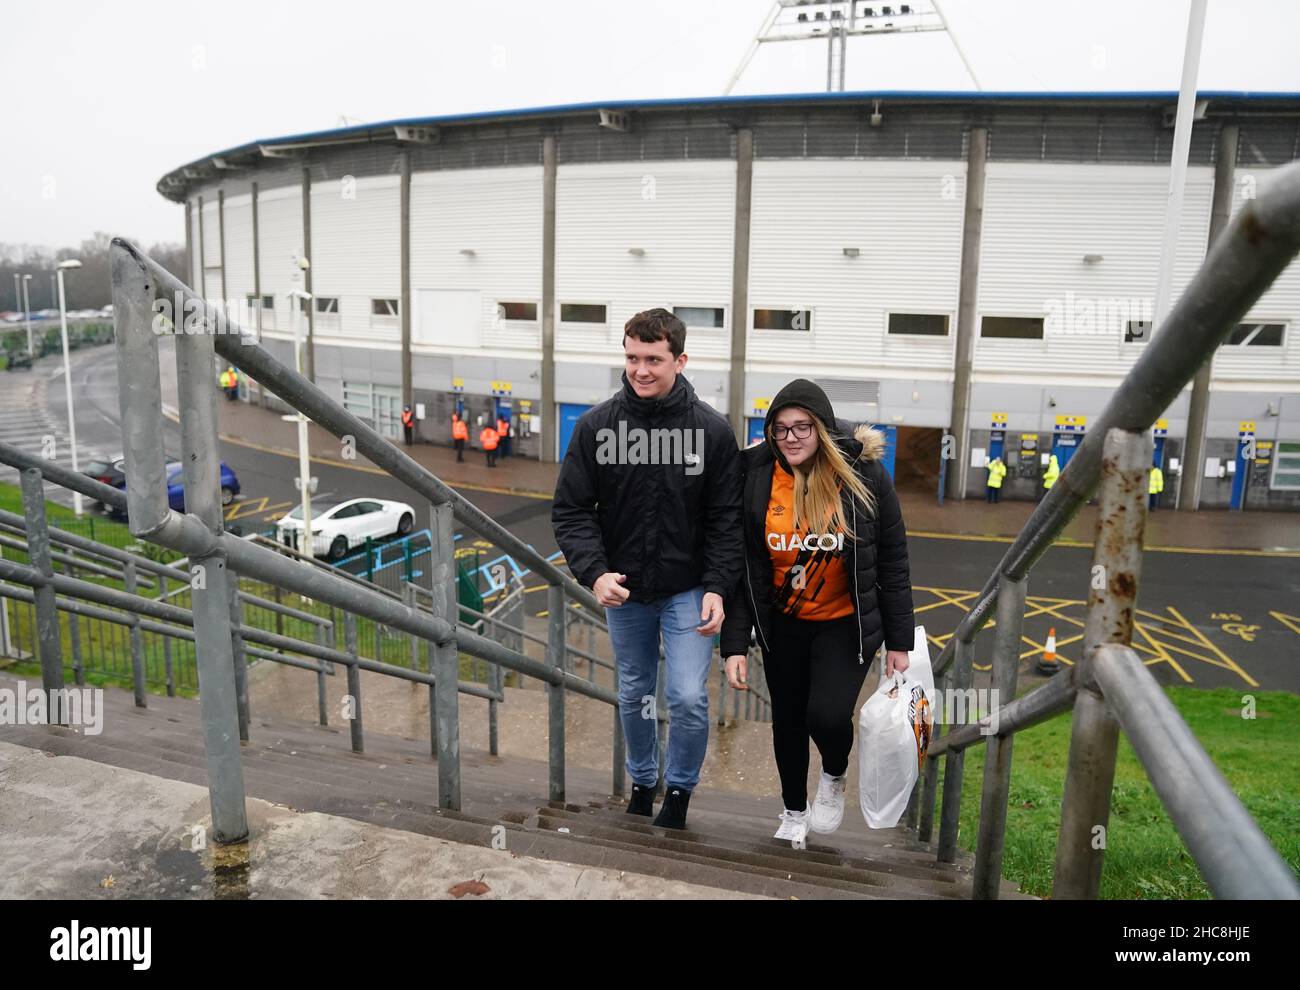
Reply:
x=778, y=510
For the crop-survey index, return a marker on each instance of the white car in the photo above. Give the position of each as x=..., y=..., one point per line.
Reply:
x=338, y=525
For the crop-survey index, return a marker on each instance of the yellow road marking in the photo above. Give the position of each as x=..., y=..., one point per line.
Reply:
x=1076, y=544
x=1292, y=622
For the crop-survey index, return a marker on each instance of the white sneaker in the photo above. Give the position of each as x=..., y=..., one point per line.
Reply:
x=794, y=826
x=827, y=809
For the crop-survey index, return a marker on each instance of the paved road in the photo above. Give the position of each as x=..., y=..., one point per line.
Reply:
x=1212, y=619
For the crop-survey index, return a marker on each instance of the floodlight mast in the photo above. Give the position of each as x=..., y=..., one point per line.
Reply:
x=836, y=20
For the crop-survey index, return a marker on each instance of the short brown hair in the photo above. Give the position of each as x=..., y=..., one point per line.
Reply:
x=657, y=324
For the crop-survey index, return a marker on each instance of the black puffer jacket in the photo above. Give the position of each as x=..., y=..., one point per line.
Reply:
x=668, y=527
x=878, y=564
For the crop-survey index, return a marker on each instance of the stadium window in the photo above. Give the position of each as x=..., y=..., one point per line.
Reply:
x=700, y=317
x=517, y=311
x=268, y=302
x=1286, y=467
x=582, y=313
x=327, y=305
x=799, y=320
x=384, y=312
x=1255, y=335
x=919, y=324
x=1012, y=327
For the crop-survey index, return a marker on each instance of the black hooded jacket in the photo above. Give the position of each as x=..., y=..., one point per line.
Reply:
x=669, y=527
x=876, y=551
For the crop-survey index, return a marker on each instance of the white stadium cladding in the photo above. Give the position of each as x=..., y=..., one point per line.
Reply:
x=452, y=249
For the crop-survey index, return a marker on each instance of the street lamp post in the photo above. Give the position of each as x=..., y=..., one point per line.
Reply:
x=296, y=298
x=27, y=315
x=63, y=266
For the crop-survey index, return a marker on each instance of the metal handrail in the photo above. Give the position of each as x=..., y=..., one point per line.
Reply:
x=1237, y=860
x=1256, y=246
x=137, y=282
x=233, y=344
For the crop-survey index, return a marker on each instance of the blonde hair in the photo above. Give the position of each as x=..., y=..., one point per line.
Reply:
x=819, y=481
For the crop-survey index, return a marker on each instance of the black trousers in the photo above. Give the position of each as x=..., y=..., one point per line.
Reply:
x=993, y=494
x=814, y=679
x=460, y=449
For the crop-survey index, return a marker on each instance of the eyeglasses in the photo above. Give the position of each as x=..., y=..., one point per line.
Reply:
x=802, y=431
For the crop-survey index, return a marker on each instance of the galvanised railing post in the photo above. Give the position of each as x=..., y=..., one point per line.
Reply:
x=555, y=659
x=963, y=673
x=168, y=670
x=279, y=618
x=354, y=681
x=370, y=562
x=989, y=843
x=137, y=639
x=237, y=654
x=661, y=721
x=929, y=782
x=50, y=644
x=722, y=696
x=620, y=751
x=324, y=637
x=446, y=654
x=1112, y=597
x=410, y=601
x=74, y=636
x=496, y=679
x=140, y=401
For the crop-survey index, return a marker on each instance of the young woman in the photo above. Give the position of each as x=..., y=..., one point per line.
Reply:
x=826, y=581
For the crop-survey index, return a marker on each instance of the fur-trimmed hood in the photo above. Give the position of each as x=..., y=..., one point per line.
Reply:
x=872, y=440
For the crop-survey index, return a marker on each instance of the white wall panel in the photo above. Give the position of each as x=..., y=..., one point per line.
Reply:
x=681, y=214
x=497, y=214
x=904, y=219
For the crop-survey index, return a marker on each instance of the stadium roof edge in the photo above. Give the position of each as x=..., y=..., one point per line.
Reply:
x=356, y=133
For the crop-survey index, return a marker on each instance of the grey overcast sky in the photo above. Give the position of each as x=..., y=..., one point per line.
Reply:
x=101, y=99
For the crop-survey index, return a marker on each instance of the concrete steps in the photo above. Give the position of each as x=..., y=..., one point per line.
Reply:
x=728, y=843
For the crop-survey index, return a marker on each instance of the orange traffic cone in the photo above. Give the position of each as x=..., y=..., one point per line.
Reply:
x=1047, y=662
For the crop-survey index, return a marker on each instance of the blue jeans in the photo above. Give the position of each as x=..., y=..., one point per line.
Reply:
x=634, y=630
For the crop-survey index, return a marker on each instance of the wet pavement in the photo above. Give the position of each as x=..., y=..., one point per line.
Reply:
x=72, y=828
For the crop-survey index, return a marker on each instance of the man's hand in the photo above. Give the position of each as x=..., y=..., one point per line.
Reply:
x=609, y=591
x=736, y=669
x=711, y=614
x=896, y=661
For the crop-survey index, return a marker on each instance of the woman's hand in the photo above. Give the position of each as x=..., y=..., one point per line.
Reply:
x=737, y=669
x=896, y=662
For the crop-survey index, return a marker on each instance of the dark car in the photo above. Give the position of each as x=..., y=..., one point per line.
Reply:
x=110, y=473
x=176, y=485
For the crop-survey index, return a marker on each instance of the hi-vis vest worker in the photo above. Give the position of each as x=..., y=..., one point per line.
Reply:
x=408, y=417
x=997, y=471
x=488, y=438
x=503, y=428
x=1157, y=484
x=227, y=379
x=1053, y=472
x=459, y=431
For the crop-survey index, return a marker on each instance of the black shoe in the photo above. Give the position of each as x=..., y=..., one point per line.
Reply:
x=642, y=801
x=673, y=812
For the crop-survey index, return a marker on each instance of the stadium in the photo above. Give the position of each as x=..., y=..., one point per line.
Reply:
x=491, y=260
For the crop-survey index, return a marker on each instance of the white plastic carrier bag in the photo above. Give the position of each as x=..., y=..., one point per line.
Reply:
x=894, y=729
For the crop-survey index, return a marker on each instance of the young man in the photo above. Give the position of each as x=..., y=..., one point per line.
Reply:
x=647, y=514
